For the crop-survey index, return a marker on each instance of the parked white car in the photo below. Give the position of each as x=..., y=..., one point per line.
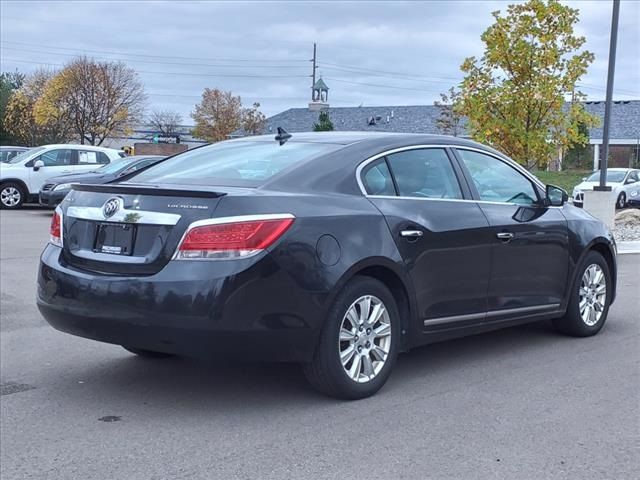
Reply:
x=23, y=176
x=624, y=182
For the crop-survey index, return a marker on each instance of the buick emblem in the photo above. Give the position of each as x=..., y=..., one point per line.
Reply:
x=111, y=206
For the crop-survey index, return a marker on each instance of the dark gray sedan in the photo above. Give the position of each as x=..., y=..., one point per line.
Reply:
x=56, y=188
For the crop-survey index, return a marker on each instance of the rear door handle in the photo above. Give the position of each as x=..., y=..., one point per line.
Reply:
x=505, y=236
x=411, y=233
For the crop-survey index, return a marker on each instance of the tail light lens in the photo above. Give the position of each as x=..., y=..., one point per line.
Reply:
x=232, y=237
x=55, y=231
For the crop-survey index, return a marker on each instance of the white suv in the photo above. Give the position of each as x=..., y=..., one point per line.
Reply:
x=23, y=176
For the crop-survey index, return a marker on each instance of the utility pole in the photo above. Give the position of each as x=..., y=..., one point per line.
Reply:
x=607, y=107
x=313, y=74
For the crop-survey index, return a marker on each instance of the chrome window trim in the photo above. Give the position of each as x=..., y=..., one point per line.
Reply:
x=222, y=221
x=492, y=313
x=124, y=216
x=510, y=163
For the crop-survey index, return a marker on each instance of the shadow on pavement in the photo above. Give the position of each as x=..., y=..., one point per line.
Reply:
x=193, y=385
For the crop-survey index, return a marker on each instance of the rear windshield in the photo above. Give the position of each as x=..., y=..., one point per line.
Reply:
x=232, y=163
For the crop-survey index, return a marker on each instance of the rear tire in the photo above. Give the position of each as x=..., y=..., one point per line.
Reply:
x=622, y=201
x=12, y=196
x=590, y=299
x=359, y=342
x=147, y=353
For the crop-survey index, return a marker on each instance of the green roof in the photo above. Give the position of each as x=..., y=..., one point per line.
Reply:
x=320, y=85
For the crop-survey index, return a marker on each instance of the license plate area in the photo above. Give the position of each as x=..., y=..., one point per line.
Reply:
x=115, y=238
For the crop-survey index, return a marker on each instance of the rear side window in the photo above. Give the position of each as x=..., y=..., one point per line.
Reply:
x=233, y=163
x=424, y=173
x=377, y=179
x=87, y=158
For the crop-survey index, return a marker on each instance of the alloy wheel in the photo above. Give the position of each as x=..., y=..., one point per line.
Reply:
x=10, y=196
x=365, y=338
x=622, y=200
x=593, y=294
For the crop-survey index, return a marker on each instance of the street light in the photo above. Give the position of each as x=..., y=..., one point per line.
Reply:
x=607, y=106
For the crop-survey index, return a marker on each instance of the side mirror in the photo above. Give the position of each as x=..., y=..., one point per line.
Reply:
x=584, y=179
x=630, y=181
x=556, y=196
x=37, y=164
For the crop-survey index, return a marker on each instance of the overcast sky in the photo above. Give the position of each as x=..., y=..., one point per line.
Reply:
x=369, y=53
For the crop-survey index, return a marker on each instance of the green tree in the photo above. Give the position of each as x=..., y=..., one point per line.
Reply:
x=324, y=123
x=579, y=155
x=217, y=116
x=100, y=99
x=513, y=96
x=9, y=83
x=253, y=121
x=19, y=118
x=450, y=120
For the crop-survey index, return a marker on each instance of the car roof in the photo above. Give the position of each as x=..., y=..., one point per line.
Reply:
x=372, y=138
x=77, y=146
x=617, y=169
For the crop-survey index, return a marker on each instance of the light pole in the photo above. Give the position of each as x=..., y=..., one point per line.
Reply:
x=607, y=107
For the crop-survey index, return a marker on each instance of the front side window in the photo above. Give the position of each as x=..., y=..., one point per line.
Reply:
x=237, y=163
x=496, y=181
x=56, y=158
x=424, y=173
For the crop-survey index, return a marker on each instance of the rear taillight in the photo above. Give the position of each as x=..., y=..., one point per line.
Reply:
x=232, y=237
x=55, y=231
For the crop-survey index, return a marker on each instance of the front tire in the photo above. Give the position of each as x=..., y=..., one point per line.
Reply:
x=12, y=196
x=590, y=299
x=147, y=353
x=359, y=342
x=622, y=201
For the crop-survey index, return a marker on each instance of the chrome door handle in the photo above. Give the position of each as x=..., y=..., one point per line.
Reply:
x=411, y=233
x=505, y=236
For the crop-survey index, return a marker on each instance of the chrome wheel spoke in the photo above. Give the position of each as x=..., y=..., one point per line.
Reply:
x=365, y=307
x=376, y=313
x=379, y=355
x=347, y=354
x=347, y=335
x=367, y=366
x=354, y=371
x=383, y=330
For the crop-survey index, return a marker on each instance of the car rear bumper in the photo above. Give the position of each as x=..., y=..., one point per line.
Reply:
x=51, y=198
x=183, y=309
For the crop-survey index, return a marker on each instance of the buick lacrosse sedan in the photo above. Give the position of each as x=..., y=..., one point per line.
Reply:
x=335, y=250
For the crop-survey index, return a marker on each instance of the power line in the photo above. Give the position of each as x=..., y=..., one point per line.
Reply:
x=189, y=74
x=156, y=62
x=368, y=71
x=181, y=57
x=379, y=85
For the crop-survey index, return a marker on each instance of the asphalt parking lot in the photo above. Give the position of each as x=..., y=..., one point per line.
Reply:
x=522, y=403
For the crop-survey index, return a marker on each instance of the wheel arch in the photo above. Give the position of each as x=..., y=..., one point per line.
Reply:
x=392, y=276
x=21, y=183
x=605, y=248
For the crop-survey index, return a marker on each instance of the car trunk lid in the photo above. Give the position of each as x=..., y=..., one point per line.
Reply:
x=130, y=229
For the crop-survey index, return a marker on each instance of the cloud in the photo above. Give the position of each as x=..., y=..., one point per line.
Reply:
x=405, y=52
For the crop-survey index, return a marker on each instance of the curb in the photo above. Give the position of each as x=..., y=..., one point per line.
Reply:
x=625, y=248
